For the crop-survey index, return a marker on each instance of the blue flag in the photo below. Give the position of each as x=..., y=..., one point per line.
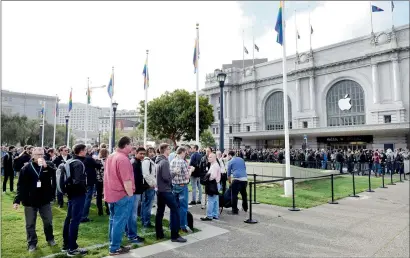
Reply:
x=376, y=9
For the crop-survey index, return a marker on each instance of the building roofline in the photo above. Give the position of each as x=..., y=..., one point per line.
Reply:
x=28, y=94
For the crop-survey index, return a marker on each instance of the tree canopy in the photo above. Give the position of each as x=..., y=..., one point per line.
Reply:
x=172, y=116
x=20, y=130
x=207, y=140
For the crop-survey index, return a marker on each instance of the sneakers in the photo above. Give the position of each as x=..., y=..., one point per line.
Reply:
x=215, y=218
x=32, y=248
x=192, y=203
x=137, y=240
x=52, y=243
x=78, y=251
x=64, y=249
x=122, y=250
x=198, y=202
x=179, y=240
x=206, y=219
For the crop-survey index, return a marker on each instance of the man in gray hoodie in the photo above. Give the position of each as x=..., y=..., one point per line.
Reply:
x=165, y=196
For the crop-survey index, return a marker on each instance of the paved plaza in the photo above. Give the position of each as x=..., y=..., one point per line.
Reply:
x=374, y=225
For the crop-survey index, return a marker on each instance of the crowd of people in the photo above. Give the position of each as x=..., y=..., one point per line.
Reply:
x=128, y=181
x=360, y=161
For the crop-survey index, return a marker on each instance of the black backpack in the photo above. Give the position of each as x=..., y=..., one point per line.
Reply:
x=63, y=175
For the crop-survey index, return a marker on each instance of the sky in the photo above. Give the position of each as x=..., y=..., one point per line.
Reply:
x=49, y=47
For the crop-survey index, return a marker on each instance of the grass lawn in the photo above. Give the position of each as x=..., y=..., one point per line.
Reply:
x=13, y=234
x=312, y=193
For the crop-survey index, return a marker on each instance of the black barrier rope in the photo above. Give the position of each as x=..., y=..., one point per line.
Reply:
x=333, y=194
x=254, y=190
x=250, y=220
x=293, y=196
x=383, y=186
x=370, y=184
x=354, y=188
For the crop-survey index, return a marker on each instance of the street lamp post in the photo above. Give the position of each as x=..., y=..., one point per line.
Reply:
x=114, y=109
x=221, y=76
x=66, y=129
x=41, y=140
x=99, y=138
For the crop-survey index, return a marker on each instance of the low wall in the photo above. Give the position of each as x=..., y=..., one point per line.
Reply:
x=275, y=169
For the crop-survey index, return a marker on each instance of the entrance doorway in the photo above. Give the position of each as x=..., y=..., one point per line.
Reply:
x=347, y=145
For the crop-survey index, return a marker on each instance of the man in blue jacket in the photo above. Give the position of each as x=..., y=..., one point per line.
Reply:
x=238, y=180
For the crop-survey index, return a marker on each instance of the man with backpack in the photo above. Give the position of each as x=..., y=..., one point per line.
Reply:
x=62, y=158
x=150, y=183
x=71, y=179
x=34, y=190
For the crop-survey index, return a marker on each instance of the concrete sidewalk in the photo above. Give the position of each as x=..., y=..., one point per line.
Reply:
x=374, y=225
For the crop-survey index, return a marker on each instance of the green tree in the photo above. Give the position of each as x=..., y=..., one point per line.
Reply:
x=207, y=140
x=172, y=116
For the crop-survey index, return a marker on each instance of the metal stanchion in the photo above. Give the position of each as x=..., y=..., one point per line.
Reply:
x=383, y=186
x=250, y=220
x=293, y=196
x=254, y=190
x=333, y=194
x=370, y=184
x=391, y=177
x=354, y=188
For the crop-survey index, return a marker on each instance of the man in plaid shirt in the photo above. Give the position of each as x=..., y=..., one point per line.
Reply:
x=180, y=178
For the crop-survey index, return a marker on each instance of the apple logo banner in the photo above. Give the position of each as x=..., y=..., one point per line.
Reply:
x=344, y=104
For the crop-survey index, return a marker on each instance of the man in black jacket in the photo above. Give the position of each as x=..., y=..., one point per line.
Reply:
x=23, y=159
x=76, y=198
x=62, y=158
x=91, y=167
x=35, y=191
x=132, y=228
x=8, y=169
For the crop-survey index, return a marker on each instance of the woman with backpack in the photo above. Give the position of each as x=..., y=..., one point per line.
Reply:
x=102, y=156
x=212, y=179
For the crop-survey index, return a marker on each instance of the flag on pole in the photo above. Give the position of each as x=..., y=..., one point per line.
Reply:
x=297, y=32
x=42, y=111
x=196, y=55
x=392, y=6
x=376, y=9
x=246, y=51
x=279, y=25
x=257, y=48
x=70, y=101
x=110, y=88
x=146, y=75
x=311, y=29
x=88, y=93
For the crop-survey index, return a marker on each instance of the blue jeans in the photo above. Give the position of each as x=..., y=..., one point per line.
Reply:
x=212, y=211
x=181, y=196
x=132, y=228
x=167, y=198
x=88, y=198
x=195, y=182
x=72, y=222
x=146, y=206
x=377, y=168
x=119, y=214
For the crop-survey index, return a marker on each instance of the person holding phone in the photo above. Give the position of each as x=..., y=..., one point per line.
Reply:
x=35, y=191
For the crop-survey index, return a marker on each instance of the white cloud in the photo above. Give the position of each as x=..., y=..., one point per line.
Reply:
x=49, y=47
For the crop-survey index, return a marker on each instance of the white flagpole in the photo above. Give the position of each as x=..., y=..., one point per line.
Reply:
x=146, y=105
x=110, y=148
x=86, y=111
x=253, y=48
x=243, y=52
x=392, y=8
x=42, y=131
x=55, y=123
x=296, y=31
x=197, y=87
x=371, y=16
x=310, y=33
x=287, y=183
x=69, y=123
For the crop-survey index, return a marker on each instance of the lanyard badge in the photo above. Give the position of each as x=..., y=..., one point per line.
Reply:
x=38, y=175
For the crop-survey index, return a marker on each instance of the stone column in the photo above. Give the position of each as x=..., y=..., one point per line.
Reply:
x=312, y=93
x=396, y=80
x=375, y=84
x=255, y=105
x=298, y=104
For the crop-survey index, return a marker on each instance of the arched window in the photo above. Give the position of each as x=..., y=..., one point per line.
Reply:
x=274, y=119
x=345, y=104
